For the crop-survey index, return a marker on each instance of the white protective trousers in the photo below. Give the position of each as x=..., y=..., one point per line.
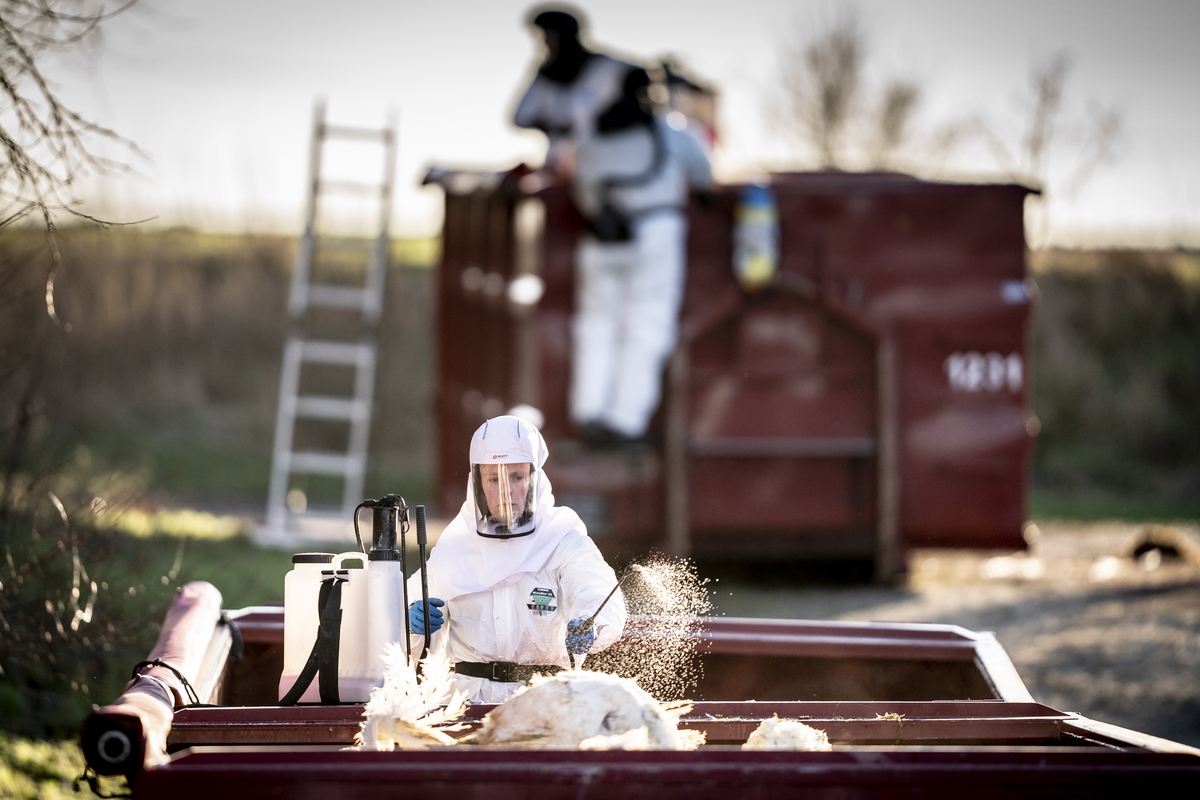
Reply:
x=626, y=320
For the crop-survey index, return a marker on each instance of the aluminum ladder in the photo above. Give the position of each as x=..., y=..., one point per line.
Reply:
x=288, y=515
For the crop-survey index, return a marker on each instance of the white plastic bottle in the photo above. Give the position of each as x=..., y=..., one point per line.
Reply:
x=354, y=675
x=756, y=238
x=372, y=606
x=371, y=618
x=385, y=584
x=301, y=618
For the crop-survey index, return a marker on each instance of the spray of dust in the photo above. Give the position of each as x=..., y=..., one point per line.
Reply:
x=667, y=602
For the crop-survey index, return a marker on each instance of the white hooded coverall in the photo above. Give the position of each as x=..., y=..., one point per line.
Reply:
x=566, y=112
x=511, y=599
x=628, y=293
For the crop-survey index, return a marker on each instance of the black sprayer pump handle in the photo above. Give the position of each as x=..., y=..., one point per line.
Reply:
x=422, y=541
x=388, y=516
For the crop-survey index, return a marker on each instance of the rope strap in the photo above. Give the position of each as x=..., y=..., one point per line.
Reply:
x=193, y=698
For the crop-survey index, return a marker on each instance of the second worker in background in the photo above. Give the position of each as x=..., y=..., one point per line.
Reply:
x=631, y=181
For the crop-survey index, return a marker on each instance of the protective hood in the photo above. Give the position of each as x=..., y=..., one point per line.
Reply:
x=464, y=562
x=565, y=65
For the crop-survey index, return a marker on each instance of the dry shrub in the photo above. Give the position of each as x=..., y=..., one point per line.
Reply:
x=173, y=339
x=1117, y=371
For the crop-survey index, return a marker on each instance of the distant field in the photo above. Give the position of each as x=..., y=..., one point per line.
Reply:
x=170, y=370
x=1096, y=506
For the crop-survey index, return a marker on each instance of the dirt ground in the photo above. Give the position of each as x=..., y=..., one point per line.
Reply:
x=1096, y=618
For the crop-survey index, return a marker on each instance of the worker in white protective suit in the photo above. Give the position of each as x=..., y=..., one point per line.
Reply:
x=570, y=89
x=513, y=576
x=632, y=179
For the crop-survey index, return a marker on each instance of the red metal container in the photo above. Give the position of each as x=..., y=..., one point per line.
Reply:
x=885, y=745
x=872, y=399
x=912, y=710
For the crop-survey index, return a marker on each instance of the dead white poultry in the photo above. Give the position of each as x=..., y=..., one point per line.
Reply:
x=585, y=710
x=786, y=734
x=406, y=714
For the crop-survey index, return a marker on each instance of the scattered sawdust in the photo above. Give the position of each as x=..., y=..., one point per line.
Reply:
x=1095, y=618
x=667, y=602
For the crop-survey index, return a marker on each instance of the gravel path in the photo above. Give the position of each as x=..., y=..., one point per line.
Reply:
x=1091, y=626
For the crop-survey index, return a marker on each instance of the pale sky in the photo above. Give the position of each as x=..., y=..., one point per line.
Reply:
x=220, y=93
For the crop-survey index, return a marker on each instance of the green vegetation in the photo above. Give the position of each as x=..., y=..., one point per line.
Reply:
x=1102, y=505
x=37, y=770
x=170, y=370
x=166, y=364
x=1116, y=358
x=54, y=672
x=79, y=616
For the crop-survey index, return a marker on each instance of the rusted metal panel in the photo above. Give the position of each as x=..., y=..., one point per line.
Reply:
x=993, y=722
x=712, y=773
x=882, y=748
x=743, y=659
x=280, y=725
x=746, y=658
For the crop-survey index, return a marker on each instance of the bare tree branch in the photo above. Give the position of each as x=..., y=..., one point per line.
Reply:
x=1099, y=147
x=825, y=102
x=44, y=145
x=1047, y=102
x=1050, y=146
x=899, y=104
x=821, y=83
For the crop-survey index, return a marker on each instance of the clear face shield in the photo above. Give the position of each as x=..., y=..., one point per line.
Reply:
x=504, y=499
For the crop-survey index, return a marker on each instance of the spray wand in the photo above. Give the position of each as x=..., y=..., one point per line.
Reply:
x=587, y=624
x=590, y=621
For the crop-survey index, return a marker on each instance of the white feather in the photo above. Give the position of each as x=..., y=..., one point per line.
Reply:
x=591, y=710
x=786, y=734
x=405, y=713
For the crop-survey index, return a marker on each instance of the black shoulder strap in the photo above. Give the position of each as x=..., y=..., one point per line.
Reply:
x=324, y=655
x=658, y=159
x=329, y=636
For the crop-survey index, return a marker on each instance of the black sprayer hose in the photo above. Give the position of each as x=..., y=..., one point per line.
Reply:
x=357, y=535
x=403, y=526
x=422, y=541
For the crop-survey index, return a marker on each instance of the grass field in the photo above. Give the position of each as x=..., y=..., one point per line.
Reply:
x=1093, y=506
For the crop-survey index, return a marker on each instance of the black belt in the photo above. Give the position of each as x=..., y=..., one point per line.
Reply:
x=504, y=671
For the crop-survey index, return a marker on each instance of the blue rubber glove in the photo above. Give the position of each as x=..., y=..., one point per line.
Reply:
x=580, y=643
x=416, y=616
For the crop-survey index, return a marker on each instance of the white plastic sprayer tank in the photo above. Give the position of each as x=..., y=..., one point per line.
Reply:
x=384, y=624
x=372, y=605
x=301, y=590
